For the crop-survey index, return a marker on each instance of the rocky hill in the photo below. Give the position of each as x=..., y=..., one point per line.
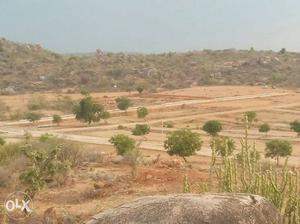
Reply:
x=27, y=67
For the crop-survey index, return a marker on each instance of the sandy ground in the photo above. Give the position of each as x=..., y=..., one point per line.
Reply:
x=187, y=108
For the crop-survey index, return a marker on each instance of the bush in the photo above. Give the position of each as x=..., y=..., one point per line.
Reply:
x=122, y=143
x=123, y=103
x=168, y=124
x=142, y=112
x=33, y=116
x=212, y=127
x=56, y=119
x=140, y=88
x=295, y=126
x=141, y=129
x=43, y=167
x=264, y=128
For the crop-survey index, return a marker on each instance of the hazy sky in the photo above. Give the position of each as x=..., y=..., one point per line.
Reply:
x=152, y=25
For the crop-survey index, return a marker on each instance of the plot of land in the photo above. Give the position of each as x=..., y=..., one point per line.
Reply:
x=186, y=108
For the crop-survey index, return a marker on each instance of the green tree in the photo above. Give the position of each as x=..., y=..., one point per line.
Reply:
x=56, y=119
x=264, y=128
x=183, y=143
x=278, y=148
x=140, y=89
x=295, y=126
x=33, y=116
x=251, y=116
x=141, y=129
x=224, y=145
x=142, y=112
x=123, y=103
x=282, y=51
x=87, y=110
x=212, y=127
x=105, y=115
x=123, y=144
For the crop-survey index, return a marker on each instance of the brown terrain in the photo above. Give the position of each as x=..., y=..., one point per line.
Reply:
x=188, y=108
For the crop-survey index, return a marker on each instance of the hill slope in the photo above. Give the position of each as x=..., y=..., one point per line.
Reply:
x=25, y=67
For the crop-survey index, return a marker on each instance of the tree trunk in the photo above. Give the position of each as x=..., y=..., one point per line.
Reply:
x=277, y=160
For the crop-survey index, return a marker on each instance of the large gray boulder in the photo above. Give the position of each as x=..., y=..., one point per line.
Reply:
x=193, y=209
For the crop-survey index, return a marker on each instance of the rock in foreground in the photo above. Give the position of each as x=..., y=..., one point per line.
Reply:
x=193, y=209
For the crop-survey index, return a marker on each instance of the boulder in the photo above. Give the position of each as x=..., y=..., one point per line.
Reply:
x=192, y=209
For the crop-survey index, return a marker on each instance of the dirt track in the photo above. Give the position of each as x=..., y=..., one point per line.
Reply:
x=12, y=129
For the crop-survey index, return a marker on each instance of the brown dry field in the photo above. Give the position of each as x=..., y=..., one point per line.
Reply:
x=187, y=108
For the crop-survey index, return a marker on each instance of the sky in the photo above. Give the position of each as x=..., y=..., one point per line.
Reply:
x=152, y=26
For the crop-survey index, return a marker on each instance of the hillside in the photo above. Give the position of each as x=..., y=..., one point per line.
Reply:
x=27, y=68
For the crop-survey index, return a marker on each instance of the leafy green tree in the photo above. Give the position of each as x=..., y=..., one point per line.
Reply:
x=282, y=51
x=33, y=116
x=212, y=127
x=278, y=148
x=123, y=144
x=264, y=128
x=123, y=103
x=295, y=126
x=56, y=119
x=183, y=143
x=251, y=116
x=224, y=145
x=140, y=89
x=87, y=110
x=141, y=129
x=142, y=112
x=105, y=115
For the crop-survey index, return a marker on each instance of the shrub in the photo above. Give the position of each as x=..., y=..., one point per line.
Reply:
x=105, y=115
x=168, y=124
x=123, y=103
x=265, y=128
x=141, y=129
x=44, y=167
x=33, y=116
x=56, y=119
x=122, y=143
x=142, y=112
x=295, y=126
x=140, y=89
x=212, y=127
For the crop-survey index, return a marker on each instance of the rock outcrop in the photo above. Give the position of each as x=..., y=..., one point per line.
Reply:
x=193, y=209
